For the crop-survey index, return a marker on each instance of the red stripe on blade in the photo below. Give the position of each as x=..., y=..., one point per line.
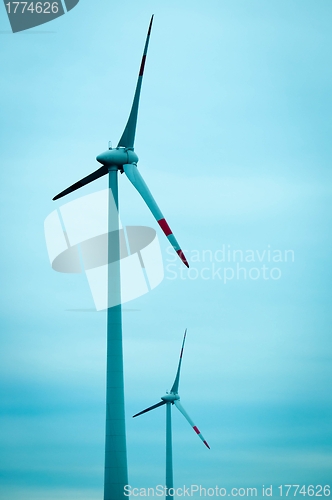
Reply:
x=141, y=70
x=165, y=227
x=196, y=429
x=182, y=257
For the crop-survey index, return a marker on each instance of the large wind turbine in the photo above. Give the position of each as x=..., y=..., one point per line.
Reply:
x=124, y=159
x=173, y=398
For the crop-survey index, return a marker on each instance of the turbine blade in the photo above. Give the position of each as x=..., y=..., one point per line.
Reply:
x=175, y=387
x=128, y=136
x=185, y=414
x=138, y=182
x=86, y=180
x=150, y=408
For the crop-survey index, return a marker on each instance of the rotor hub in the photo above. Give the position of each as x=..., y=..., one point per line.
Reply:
x=170, y=398
x=117, y=157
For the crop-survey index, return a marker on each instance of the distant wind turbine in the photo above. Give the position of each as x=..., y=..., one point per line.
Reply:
x=124, y=159
x=173, y=398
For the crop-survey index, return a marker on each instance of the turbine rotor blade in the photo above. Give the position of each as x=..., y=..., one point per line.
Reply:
x=128, y=137
x=138, y=182
x=86, y=180
x=186, y=416
x=150, y=408
x=175, y=387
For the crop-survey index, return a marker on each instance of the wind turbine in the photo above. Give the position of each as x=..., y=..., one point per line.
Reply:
x=173, y=398
x=124, y=159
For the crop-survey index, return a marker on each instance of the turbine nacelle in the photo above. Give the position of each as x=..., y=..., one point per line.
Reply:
x=118, y=157
x=170, y=398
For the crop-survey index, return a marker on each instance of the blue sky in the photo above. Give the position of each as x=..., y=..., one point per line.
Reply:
x=234, y=142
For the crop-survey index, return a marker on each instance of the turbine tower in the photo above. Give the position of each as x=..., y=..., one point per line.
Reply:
x=124, y=159
x=173, y=398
